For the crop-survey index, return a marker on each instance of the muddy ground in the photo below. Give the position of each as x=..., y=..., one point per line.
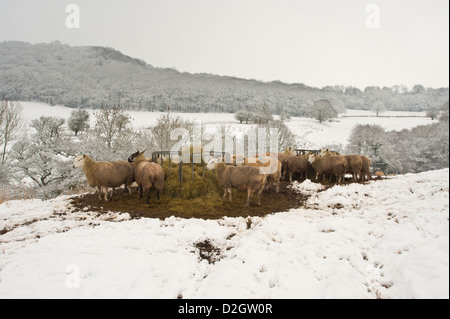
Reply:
x=206, y=207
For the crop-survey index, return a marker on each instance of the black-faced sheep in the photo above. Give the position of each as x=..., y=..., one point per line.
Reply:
x=149, y=176
x=242, y=178
x=105, y=174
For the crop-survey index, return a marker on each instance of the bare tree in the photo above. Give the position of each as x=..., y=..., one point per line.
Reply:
x=432, y=113
x=165, y=125
x=112, y=125
x=10, y=123
x=322, y=110
x=378, y=107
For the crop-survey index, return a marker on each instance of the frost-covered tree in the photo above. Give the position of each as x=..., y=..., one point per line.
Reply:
x=166, y=123
x=322, y=110
x=263, y=115
x=378, y=107
x=443, y=116
x=10, y=124
x=113, y=127
x=45, y=157
x=285, y=116
x=78, y=121
x=432, y=113
x=244, y=116
x=408, y=151
x=48, y=128
x=371, y=141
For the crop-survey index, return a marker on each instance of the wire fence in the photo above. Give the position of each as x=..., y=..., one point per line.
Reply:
x=7, y=194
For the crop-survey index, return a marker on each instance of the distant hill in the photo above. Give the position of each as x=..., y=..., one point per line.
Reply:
x=91, y=76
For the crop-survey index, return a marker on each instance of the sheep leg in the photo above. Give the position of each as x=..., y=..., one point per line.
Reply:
x=105, y=190
x=229, y=191
x=259, y=195
x=140, y=192
x=249, y=194
x=157, y=194
x=148, y=196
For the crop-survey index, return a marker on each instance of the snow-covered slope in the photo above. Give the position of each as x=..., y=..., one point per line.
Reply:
x=385, y=239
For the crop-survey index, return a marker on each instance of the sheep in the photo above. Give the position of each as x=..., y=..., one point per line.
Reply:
x=239, y=177
x=365, y=171
x=105, y=174
x=354, y=162
x=354, y=165
x=296, y=164
x=379, y=174
x=335, y=165
x=148, y=175
x=269, y=165
x=289, y=152
x=327, y=152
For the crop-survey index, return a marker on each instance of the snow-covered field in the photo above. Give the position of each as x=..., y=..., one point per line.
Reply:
x=310, y=133
x=384, y=239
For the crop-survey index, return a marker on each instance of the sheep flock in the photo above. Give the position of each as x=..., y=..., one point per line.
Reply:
x=252, y=174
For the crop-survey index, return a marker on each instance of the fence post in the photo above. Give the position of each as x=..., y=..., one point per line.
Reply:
x=180, y=172
x=170, y=163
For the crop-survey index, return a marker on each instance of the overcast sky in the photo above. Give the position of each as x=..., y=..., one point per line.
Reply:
x=320, y=42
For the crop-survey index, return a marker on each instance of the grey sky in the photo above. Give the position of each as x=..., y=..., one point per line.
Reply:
x=321, y=42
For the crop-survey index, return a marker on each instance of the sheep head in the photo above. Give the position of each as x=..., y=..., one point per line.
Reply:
x=79, y=161
x=312, y=158
x=134, y=156
x=212, y=163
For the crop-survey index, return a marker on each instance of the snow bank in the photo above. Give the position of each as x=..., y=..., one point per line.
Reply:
x=384, y=239
x=306, y=187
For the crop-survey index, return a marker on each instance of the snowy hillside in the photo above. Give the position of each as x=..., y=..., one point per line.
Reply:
x=384, y=239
